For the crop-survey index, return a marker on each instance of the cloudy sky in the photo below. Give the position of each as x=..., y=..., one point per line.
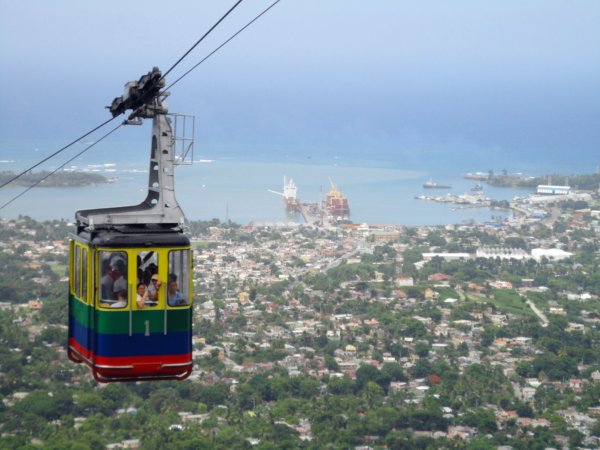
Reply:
x=342, y=73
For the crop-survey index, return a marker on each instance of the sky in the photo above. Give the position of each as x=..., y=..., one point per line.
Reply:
x=350, y=76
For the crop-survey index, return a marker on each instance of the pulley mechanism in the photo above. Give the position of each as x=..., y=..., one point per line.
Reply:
x=138, y=93
x=160, y=210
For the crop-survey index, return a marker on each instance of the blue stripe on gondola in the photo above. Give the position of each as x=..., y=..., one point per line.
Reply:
x=173, y=343
x=113, y=345
x=79, y=332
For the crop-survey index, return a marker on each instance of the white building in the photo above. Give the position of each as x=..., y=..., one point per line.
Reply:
x=446, y=256
x=404, y=281
x=548, y=189
x=502, y=253
x=552, y=254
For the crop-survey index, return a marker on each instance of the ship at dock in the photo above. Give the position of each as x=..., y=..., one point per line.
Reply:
x=336, y=203
x=432, y=185
x=290, y=195
x=328, y=212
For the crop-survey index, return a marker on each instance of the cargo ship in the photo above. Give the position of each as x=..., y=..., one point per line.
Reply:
x=290, y=197
x=431, y=185
x=336, y=203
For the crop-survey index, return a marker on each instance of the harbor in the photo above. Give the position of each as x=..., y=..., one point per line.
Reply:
x=329, y=212
x=473, y=200
x=238, y=190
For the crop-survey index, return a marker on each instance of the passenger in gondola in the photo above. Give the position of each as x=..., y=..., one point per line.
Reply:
x=121, y=300
x=142, y=295
x=154, y=287
x=106, y=282
x=120, y=275
x=174, y=295
x=148, y=272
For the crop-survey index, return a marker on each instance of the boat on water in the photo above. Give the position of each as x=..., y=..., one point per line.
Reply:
x=290, y=195
x=337, y=203
x=431, y=185
x=477, y=188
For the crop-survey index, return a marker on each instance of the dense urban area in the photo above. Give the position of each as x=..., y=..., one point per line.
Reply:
x=475, y=336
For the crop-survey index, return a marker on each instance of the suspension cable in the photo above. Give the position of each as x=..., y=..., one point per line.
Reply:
x=61, y=166
x=19, y=175
x=222, y=45
x=111, y=119
x=202, y=38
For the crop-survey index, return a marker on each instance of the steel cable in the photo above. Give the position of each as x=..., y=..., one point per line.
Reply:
x=56, y=153
x=61, y=166
x=222, y=45
x=201, y=39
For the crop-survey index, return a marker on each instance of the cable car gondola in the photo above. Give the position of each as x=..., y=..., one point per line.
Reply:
x=130, y=288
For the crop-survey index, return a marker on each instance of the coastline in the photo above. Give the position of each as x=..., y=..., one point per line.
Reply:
x=381, y=185
x=238, y=191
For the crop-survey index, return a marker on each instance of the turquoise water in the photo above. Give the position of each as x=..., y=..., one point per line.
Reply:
x=239, y=191
x=380, y=188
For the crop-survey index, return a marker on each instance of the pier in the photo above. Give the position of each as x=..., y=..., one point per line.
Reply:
x=311, y=213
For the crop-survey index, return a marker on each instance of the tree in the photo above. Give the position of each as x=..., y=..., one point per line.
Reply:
x=53, y=335
x=488, y=335
x=524, y=410
x=367, y=373
x=308, y=387
x=373, y=393
x=421, y=369
x=553, y=366
x=394, y=371
x=422, y=349
x=91, y=402
x=340, y=386
x=43, y=405
x=331, y=363
x=400, y=440
x=413, y=328
x=482, y=419
x=435, y=239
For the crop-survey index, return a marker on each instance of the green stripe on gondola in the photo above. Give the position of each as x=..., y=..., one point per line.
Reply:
x=79, y=310
x=117, y=322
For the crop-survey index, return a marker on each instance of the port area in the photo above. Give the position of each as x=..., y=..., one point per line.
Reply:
x=332, y=211
x=311, y=213
x=475, y=200
x=319, y=216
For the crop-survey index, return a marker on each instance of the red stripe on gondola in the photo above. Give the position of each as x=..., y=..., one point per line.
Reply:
x=129, y=360
x=85, y=352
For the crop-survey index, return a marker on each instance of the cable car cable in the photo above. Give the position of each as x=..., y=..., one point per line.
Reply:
x=111, y=119
x=62, y=165
x=222, y=45
x=202, y=38
x=56, y=153
x=16, y=177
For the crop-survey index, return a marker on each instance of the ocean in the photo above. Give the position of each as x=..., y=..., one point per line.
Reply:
x=233, y=184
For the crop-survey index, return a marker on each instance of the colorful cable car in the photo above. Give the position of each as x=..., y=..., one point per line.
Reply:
x=130, y=289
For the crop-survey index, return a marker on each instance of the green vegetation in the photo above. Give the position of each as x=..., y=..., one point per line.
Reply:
x=58, y=179
x=508, y=301
x=302, y=352
x=588, y=182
